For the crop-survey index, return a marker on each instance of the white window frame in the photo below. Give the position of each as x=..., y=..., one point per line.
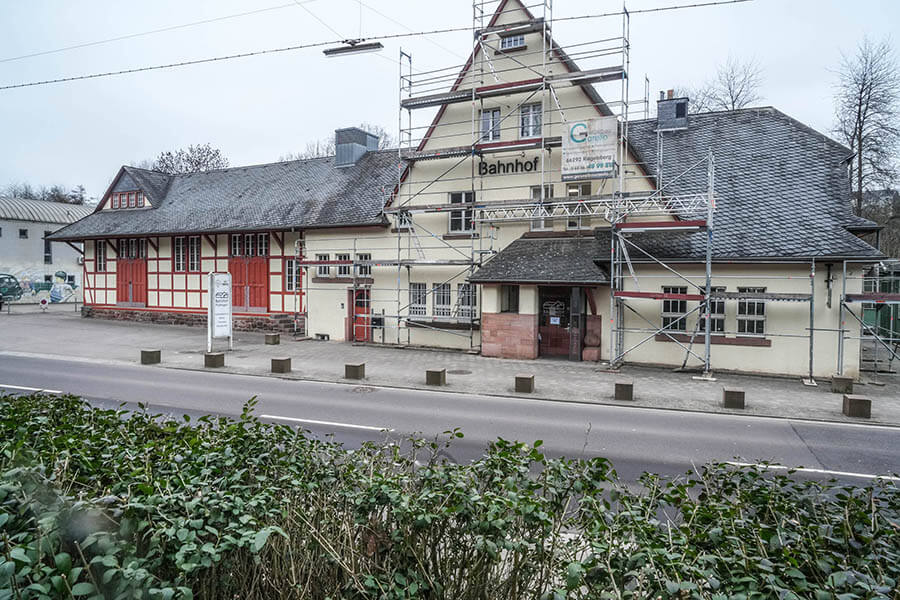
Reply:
x=460, y=221
x=441, y=299
x=490, y=125
x=179, y=254
x=751, y=312
x=530, y=120
x=541, y=223
x=716, y=314
x=508, y=42
x=237, y=244
x=292, y=274
x=672, y=310
x=262, y=244
x=100, y=256
x=574, y=191
x=323, y=270
x=194, y=254
x=250, y=244
x=363, y=270
x=418, y=299
x=468, y=301
x=343, y=270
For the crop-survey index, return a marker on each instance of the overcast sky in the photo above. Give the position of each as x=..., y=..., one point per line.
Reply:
x=257, y=109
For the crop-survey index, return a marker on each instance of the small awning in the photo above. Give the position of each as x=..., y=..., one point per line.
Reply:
x=550, y=261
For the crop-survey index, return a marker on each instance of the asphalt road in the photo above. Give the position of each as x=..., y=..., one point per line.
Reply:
x=634, y=439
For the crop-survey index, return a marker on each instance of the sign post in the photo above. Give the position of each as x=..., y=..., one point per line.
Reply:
x=218, y=322
x=589, y=149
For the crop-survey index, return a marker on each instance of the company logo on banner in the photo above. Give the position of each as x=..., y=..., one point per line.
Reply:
x=589, y=149
x=220, y=305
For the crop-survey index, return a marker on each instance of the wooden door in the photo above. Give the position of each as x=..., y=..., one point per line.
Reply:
x=362, y=318
x=123, y=280
x=131, y=281
x=257, y=282
x=553, y=322
x=237, y=266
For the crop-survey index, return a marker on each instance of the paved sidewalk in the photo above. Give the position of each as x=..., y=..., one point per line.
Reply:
x=65, y=333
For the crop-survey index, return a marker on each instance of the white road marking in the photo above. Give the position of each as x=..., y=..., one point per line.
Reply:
x=329, y=423
x=6, y=386
x=816, y=471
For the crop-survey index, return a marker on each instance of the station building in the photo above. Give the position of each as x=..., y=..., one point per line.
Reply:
x=716, y=241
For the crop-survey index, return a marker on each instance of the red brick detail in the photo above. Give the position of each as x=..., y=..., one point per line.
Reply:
x=509, y=335
x=268, y=323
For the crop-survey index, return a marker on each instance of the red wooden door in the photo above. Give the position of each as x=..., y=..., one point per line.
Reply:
x=123, y=280
x=362, y=318
x=238, y=268
x=249, y=282
x=131, y=280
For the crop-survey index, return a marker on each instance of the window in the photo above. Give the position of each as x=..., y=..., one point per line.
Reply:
x=133, y=248
x=442, y=300
x=48, y=249
x=509, y=298
x=250, y=244
x=142, y=248
x=673, y=310
x=179, y=254
x=99, y=256
x=262, y=244
x=23, y=234
x=716, y=314
x=292, y=275
x=577, y=191
x=323, y=270
x=343, y=270
x=364, y=270
x=237, y=244
x=140, y=200
x=122, y=249
x=541, y=223
x=461, y=220
x=132, y=201
x=530, y=120
x=114, y=199
x=417, y=299
x=194, y=253
x=680, y=110
x=404, y=221
x=466, y=296
x=490, y=125
x=751, y=314
x=512, y=41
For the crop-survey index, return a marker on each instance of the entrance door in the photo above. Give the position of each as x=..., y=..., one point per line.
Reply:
x=131, y=272
x=362, y=318
x=553, y=323
x=249, y=268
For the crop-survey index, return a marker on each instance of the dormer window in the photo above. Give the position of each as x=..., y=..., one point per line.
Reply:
x=510, y=42
x=127, y=200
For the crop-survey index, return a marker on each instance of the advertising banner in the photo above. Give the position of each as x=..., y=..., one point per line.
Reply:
x=589, y=149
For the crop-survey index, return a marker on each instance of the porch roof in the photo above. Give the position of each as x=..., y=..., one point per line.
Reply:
x=567, y=260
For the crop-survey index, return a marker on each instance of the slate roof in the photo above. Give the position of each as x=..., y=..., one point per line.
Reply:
x=304, y=194
x=782, y=187
x=545, y=260
x=41, y=211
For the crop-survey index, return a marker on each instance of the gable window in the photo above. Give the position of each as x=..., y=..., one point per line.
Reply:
x=343, y=270
x=292, y=274
x=466, y=300
x=578, y=191
x=114, y=200
x=132, y=200
x=179, y=254
x=140, y=200
x=490, y=124
x=441, y=299
x=530, y=116
x=23, y=234
x=48, y=249
x=751, y=314
x=716, y=314
x=512, y=41
x=509, y=298
x=323, y=270
x=363, y=270
x=237, y=244
x=673, y=311
x=417, y=299
x=541, y=223
x=461, y=220
x=100, y=256
x=194, y=253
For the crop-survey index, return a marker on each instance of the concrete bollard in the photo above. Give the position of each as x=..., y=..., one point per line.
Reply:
x=273, y=339
x=355, y=371
x=436, y=377
x=213, y=360
x=857, y=406
x=841, y=385
x=281, y=365
x=150, y=357
x=624, y=389
x=732, y=397
x=524, y=384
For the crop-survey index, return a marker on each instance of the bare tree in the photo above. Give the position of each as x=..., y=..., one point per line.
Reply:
x=194, y=159
x=54, y=193
x=736, y=85
x=325, y=147
x=866, y=109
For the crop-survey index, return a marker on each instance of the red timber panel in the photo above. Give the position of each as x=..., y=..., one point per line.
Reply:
x=123, y=276
x=238, y=269
x=258, y=281
x=139, y=280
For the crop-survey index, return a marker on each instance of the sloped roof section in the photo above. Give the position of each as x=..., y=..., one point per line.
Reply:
x=544, y=260
x=152, y=183
x=40, y=211
x=299, y=194
x=782, y=187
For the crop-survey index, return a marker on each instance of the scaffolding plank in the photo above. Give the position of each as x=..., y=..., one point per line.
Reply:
x=529, y=26
x=658, y=295
x=480, y=149
x=876, y=297
x=775, y=296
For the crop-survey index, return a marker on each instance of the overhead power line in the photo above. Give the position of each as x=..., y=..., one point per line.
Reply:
x=227, y=57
